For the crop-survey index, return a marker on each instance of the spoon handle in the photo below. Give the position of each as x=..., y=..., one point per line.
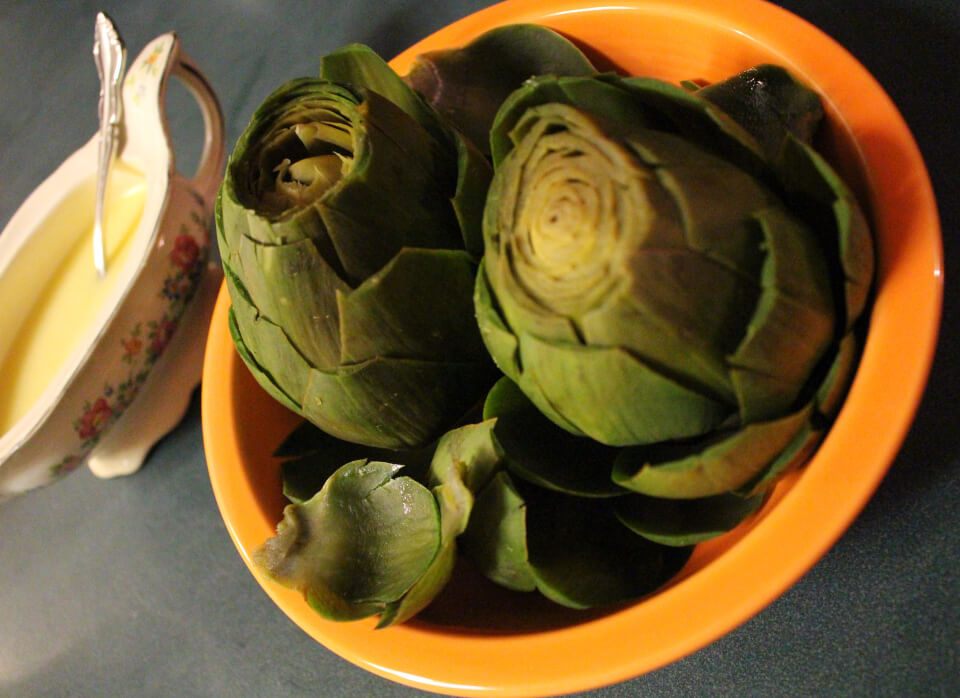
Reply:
x=110, y=55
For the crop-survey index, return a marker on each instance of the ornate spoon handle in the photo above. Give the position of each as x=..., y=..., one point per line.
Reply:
x=110, y=56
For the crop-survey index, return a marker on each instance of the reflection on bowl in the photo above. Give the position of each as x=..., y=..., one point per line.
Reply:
x=477, y=638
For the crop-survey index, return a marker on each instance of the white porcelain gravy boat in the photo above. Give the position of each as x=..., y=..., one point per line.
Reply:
x=130, y=380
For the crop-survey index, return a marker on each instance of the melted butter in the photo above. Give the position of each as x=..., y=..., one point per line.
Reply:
x=66, y=307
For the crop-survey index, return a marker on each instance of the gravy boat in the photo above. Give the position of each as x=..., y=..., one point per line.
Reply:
x=130, y=380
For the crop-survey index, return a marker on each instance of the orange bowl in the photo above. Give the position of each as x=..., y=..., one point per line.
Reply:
x=478, y=639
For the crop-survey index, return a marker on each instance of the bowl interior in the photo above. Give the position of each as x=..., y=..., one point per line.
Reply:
x=469, y=640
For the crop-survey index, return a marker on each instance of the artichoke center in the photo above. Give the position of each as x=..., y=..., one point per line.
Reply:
x=561, y=236
x=313, y=157
x=574, y=212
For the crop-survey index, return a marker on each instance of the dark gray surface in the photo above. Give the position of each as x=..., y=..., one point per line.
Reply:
x=132, y=586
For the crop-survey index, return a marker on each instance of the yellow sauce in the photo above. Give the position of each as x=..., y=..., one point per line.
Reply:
x=65, y=309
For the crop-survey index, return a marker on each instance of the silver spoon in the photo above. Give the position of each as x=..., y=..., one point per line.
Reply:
x=110, y=55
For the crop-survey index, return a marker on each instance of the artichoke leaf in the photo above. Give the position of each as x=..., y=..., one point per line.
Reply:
x=359, y=544
x=500, y=342
x=495, y=539
x=697, y=120
x=261, y=375
x=642, y=405
x=825, y=403
x=424, y=590
x=358, y=64
x=570, y=549
x=474, y=173
x=582, y=556
x=465, y=459
x=834, y=386
x=599, y=96
x=712, y=197
x=397, y=193
x=796, y=454
x=682, y=522
x=660, y=344
x=770, y=103
x=393, y=403
x=468, y=84
x=792, y=325
x=293, y=287
x=538, y=451
x=386, y=315
x=310, y=456
x=719, y=464
x=276, y=364
x=845, y=235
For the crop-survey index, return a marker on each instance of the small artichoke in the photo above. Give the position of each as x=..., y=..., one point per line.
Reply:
x=345, y=223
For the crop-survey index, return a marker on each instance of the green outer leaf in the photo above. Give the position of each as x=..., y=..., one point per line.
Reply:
x=640, y=405
x=468, y=84
x=393, y=403
x=497, y=337
x=358, y=544
x=795, y=455
x=582, y=556
x=722, y=464
x=573, y=550
x=793, y=323
x=538, y=451
x=388, y=316
x=465, y=459
x=311, y=456
x=769, y=103
x=817, y=189
x=682, y=522
x=276, y=364
x=698, y=121
x=606, y=97
x=397, y=193
x=262, y=377
x=495, y=539
x=423, y=591
x=474, y=173
x=357, y=64
x=837, y=382
x=293, y=287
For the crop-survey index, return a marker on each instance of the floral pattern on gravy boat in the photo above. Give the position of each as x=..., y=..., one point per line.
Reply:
x=131, y=380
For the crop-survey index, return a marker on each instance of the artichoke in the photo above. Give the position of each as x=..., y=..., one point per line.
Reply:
x=661, y=281
x=373, y=531
x=467, y=84
x=348, y=226
x=670, y=280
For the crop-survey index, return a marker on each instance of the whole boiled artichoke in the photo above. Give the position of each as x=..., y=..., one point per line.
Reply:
x=657, y=278
x=344, y=223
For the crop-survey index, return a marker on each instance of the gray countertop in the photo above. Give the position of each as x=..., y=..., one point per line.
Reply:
x=132, y=586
